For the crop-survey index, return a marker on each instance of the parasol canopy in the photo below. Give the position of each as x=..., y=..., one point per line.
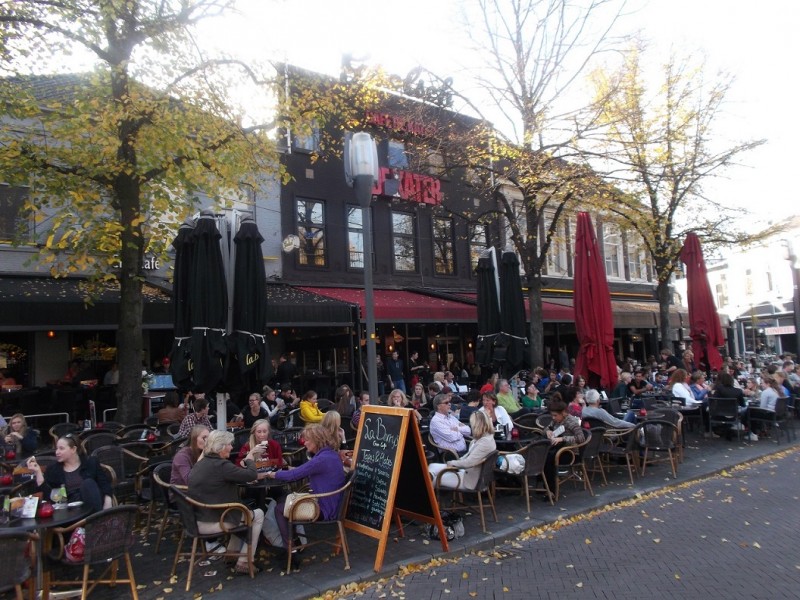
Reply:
x=593, y=319
x=704, y=327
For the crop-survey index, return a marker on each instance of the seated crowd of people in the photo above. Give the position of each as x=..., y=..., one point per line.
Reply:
x=465, y=428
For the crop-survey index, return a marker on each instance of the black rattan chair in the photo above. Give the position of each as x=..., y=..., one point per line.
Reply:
x=338, y=541
x=19, y=560
x=108, y=538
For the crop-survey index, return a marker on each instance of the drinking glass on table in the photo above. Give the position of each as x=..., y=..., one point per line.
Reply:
x=59, y=497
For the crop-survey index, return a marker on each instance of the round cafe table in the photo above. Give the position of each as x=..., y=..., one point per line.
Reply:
x=60, y=518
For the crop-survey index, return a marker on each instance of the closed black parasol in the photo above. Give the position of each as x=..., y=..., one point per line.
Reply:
x=248, y=338
x=208, y=305
x=179, y=356
x=488, y=310
x=512, y=316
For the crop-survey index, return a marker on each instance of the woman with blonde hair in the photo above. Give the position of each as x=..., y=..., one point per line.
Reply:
x=469, y=465
x=398, y=399
x=332, y=421
x=418, y=398
x=263, y=446
x=215, y=480
x=187, y=457
x=20, y=436
x=323, y=470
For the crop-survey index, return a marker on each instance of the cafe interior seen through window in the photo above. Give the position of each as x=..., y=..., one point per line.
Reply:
x=311, y=231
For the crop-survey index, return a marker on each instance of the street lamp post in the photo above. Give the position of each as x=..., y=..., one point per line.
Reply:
x=361, y=173
x=793, y=263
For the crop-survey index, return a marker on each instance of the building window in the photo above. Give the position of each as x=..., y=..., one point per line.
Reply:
x=396, y=155
x=557, y=259
x=637, y=259
x=478, y=244
x=307, y=140
x=355, y=237
x=435, y=165
x=405, y=256
x=311, y=231
x=12, y=220
x=722, y=292
x=612, y=249
x=443, y=259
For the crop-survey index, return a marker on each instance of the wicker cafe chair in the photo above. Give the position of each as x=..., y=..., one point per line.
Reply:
x=485, y=484
x=675, y=417
x=724, y=412
x=774, y=420
x=658, y=436
x=188, y=513
x=59, y=430
x=98, y=439
x=441, y=454
x=109, y=538
x=544, y=420
x=126, y=466
x=294, y=453
x=535, y=455
x=170, y=520
x=569, y=466
x=619, y=444
x=338, y=541
x=19, y=562
x=131, y=433
x=590, y=457
x=527, y=428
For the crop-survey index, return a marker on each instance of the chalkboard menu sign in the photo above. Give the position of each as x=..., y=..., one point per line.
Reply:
x=377, y=456
x=391, y=476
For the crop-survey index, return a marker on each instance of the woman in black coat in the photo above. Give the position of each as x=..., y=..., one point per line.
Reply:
x=83, y=477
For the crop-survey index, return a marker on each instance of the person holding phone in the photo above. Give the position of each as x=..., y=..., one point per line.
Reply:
x=564, y=430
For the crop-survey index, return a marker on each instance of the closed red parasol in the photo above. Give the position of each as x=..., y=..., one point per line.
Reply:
x=593, y=320
x=705, y=330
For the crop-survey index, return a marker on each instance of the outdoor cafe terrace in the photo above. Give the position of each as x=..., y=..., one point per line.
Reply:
x=317, y=569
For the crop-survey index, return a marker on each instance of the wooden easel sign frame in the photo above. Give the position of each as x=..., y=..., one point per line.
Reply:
x=391, y=477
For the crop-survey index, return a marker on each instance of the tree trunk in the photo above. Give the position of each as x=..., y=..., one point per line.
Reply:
x=536, y=331
x=129, y=351
x=129, y=335
x=663, y=295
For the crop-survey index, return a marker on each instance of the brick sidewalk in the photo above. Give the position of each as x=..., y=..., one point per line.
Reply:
x=726, y=536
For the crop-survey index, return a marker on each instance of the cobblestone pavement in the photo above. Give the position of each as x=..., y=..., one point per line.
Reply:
x=732, y=535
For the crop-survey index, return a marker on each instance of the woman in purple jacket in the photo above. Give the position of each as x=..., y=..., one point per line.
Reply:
x=324, y=472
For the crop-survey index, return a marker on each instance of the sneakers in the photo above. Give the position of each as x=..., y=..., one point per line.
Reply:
x=214, y=547
x=751, y=437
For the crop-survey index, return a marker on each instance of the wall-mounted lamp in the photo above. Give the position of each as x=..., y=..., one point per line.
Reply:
x=469, y=345
x=433, y=346
x=274, y=332
x=391, y=348
x=51, y=335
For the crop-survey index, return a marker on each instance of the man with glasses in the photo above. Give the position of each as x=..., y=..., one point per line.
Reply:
x=447, y=431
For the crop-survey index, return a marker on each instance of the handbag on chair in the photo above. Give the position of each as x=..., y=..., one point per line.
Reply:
x=301, y=506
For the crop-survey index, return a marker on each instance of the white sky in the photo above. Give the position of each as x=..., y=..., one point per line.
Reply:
x=755, y=41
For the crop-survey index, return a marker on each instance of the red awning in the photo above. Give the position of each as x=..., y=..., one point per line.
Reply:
x=551, y=312
x=403, y=306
